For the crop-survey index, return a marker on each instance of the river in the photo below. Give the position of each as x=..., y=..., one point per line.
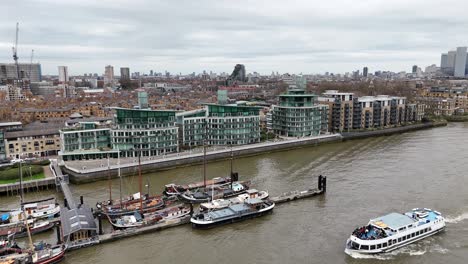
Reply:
x=366, y=178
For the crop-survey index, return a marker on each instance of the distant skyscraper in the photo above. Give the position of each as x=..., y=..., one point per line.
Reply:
x=125, y=73
x=26, y=71
x=451, y=62
x=151, y=72
x=63, y=74
x=237, y=75
x=415, y=69
x=443, y=61
x=364, y=71
x=109, y=75
x=460, y=62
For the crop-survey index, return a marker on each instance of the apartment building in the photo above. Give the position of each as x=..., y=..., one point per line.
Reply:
x=228, y=124
x=438, y=106
x=145, y=131
x=363, y=114
x=232, y=124
x=299, y=115
x=340, y=116
x=88, y=140
x=382, y=109
x=192, y=127
x=34, y=140
x=398, y=109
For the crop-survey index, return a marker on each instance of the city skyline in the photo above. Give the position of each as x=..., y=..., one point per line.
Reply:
x=336, y=36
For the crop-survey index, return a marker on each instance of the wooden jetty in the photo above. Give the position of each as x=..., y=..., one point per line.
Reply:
x=295, y=195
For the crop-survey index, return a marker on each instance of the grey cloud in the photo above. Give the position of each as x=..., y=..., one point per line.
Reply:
x=186, y=36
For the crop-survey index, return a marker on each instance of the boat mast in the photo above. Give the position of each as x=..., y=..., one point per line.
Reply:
x=232, y=158
x=140, y=182
x=204, y=165
x=109, y=178
x=120, y=177
x=31, y=246
x=21, y=184
x=204, y=154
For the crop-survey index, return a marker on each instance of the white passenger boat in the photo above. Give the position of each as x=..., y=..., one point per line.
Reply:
x=395, y=230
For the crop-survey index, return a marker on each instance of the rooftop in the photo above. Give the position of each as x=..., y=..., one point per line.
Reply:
x=77, y=219
x=393, y=221
x=10, y=124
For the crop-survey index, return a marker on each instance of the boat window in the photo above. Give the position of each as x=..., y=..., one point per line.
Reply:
x=379, y=246
x=364, y=247
x=417, y=233
x=408, y=237
x=394, y=241
x=403, y=228
x=425, y=230
x=389, y=242
x=412, y=234
x=384, y=244
x=399, y=239
x=372, y=247
x=354, y=245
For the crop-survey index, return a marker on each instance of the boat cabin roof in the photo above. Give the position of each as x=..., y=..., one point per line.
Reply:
x=393, y=221
x=252, y=191
x=253, y=201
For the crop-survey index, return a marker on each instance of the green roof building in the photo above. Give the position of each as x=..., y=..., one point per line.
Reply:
x=220, y=125
x=151, y=132
x=299, y=115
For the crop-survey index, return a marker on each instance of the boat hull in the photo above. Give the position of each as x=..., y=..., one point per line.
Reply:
x=207, y=225
x=54, y=259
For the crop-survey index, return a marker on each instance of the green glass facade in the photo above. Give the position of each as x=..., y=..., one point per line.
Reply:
x=192, y=127
x=299, y=115
x=220, y=125
x=2, y=145
x=151, y=132
x=233, y=125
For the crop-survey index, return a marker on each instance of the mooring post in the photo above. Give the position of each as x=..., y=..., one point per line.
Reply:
x=324, y=183
x=65, y=202
x=320, y=182
x=100, y=224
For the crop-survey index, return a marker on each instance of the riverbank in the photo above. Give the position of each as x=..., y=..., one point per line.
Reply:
x=94, y=170
x=391, y=131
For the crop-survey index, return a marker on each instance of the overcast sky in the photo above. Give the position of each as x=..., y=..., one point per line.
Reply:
x=307, y=36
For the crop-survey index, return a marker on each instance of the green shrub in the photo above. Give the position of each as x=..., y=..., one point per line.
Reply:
x=13, y=173
x=42, y=162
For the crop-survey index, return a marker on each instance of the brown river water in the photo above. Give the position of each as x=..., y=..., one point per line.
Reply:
x=366, y=178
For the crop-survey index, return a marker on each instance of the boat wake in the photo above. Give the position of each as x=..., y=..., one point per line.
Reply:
x=411, y=250
x=456, y=219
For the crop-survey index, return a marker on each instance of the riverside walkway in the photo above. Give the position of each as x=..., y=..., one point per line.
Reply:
x=194, y=155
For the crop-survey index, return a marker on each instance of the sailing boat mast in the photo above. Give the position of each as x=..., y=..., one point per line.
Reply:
x=140, y=180
x=109, y=178
x=204, y=155
x=232, y=158
x=204, y=165
x=21, y=183
x=120, y=177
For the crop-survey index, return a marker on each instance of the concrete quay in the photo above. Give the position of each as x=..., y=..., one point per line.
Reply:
x=94, y=170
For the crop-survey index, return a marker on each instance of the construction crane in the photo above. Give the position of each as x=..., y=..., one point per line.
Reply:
x=15, y=51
